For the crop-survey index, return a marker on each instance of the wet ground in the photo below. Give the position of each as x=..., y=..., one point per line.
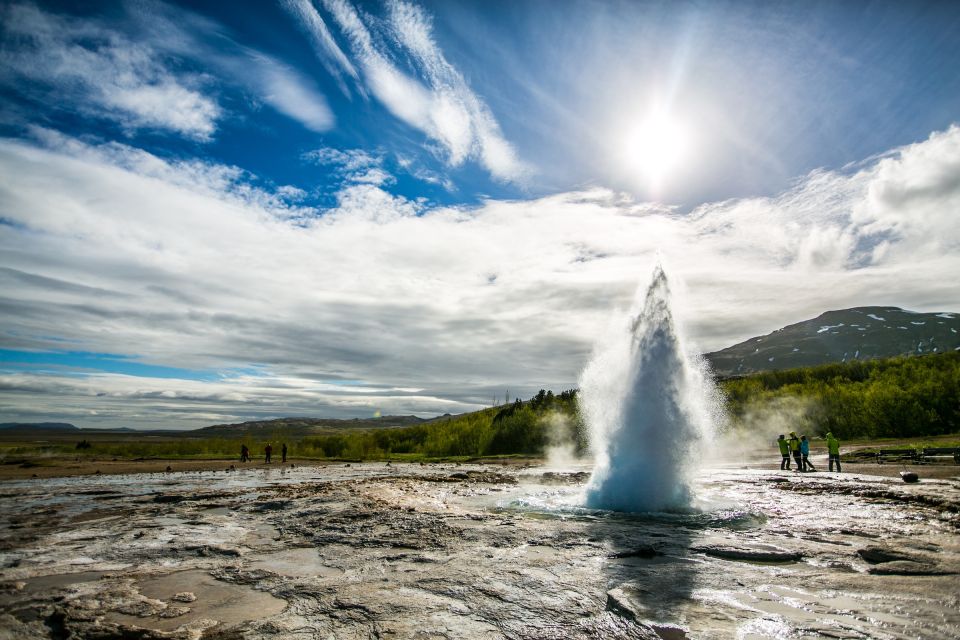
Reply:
x=473, y=551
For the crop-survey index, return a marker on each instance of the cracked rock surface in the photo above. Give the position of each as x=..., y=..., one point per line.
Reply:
x=473, y=551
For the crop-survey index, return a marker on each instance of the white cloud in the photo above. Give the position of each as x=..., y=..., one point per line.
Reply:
x=288, y=92
x=442, y=105
x=353, y=165
x=348, y=160
x=208, y=272
x=326, y=48
x=131, y=78
x=913, y=195
x=106, y=74
x=462, y=120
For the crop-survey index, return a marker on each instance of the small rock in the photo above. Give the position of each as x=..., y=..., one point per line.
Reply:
x=669, y=631
x=184, y=596
x=619, y=602
x=174, y=612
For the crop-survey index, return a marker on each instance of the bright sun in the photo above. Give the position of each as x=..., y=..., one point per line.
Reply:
x=655, y=147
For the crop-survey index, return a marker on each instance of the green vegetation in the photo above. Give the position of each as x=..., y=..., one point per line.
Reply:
x=518, y=428
x=912, y=397
x=132, y=446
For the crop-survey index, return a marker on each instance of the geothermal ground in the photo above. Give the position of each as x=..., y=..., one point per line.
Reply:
x=471, y=551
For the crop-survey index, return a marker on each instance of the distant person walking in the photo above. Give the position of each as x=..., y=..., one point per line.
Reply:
x=833, y=451
x=244, y=453
x=784, y=453
x=267, y=451
x=283, y=452
x=804, y=452
x=795, y=450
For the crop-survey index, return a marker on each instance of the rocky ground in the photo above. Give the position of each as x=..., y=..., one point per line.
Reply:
x=474, y=551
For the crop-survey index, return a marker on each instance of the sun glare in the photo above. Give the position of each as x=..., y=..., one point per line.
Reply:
x=655, y=147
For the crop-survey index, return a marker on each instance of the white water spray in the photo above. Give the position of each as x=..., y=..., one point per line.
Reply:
x=649, y=407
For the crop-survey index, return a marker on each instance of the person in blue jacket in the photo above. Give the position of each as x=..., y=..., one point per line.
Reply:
x=804, y=452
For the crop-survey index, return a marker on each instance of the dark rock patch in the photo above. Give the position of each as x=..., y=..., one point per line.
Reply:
x=645, y=551
x=878, y=555
x=909, y=568
x=766, y=553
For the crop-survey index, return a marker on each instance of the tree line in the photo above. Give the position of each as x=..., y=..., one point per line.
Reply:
x=520, y=428
x=889, y=398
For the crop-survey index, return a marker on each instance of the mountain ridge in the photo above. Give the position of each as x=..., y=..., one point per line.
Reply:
x=841, y=335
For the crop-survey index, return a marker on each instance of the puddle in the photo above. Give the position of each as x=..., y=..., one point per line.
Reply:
x=296, y=563
x=228, y=604
x=262, y=533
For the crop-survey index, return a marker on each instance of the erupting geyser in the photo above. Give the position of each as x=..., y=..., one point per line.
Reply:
x=649, y=407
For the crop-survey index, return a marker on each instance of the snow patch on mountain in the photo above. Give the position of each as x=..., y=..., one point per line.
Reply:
x=829, y=326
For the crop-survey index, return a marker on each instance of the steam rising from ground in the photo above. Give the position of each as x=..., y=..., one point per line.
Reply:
x=757, y=429
x=649, y=408
x=561, y=451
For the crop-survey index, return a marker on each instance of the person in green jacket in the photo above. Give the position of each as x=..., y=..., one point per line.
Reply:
x=784, y=452
x=833, y=451
x=795, y=449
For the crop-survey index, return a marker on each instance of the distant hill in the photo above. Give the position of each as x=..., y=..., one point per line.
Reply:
x=304, y=426
x=860, y=333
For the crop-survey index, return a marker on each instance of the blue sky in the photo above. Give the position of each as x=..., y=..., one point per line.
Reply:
x=322, y=207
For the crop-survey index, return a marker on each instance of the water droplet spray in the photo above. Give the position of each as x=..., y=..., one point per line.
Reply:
x=650, y=408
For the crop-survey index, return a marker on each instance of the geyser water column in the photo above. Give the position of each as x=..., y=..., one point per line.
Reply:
x=649, y=407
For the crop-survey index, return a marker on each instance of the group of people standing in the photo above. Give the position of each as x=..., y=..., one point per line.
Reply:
x=799, y=447
x=267, y=453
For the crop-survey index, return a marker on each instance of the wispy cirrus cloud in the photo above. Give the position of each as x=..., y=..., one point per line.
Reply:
x=284, y=89
x=465, y=122
x=438, y=101
x=103, y=73
x=331, y=55
x=135, y=77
